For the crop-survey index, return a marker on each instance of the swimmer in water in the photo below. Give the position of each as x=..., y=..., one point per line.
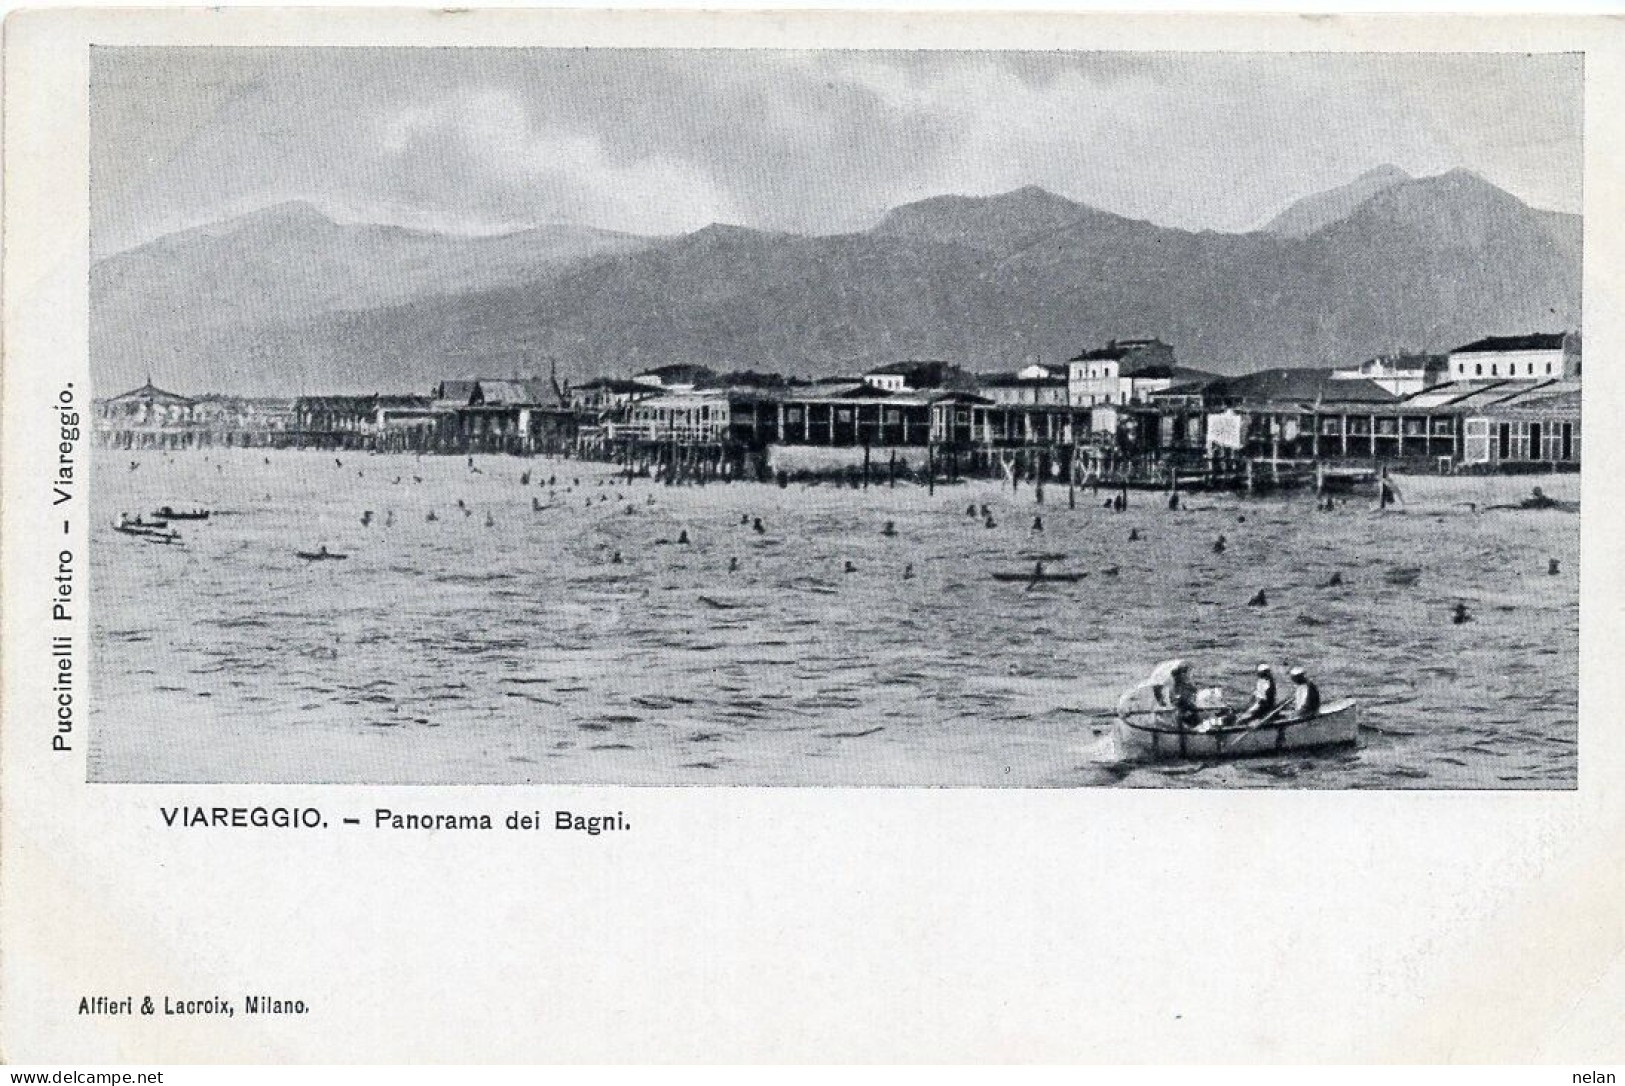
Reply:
x=890, y=529
x=1219, y=544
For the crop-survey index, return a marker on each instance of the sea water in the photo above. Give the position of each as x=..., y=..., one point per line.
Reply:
x=497, y=643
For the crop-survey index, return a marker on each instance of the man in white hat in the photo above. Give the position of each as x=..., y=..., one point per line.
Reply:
x=1264, y=697
x=1305, y=695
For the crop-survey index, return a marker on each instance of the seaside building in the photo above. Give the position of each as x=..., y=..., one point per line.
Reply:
x=1024, y=387
x=1401, y=374
x=608, y=394
x=521, y=415
x=335, y=422
x=145, y=418
x=677, y=377
x=1541, y=356
x=243, y=421
x=684, y=417
x=1125, y=371
x=1536, y=429
x=917, y=376
x=405, y=423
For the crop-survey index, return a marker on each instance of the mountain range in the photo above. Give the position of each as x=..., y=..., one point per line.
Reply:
x=284, y=301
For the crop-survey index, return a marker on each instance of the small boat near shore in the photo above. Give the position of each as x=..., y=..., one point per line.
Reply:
x=154, y=531
x=322, y=554
x=169, y=512
x=1038, y=577
x=1154, y=735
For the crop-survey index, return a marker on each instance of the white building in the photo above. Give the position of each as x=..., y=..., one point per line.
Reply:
x=1539, y=357
x=677, y=377
x=905, y=376
x=1097, y=376
x=1022, y=388
x=1401, y=374
x=697, y=416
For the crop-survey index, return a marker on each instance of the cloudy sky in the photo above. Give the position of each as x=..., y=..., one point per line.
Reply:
x=664, y=141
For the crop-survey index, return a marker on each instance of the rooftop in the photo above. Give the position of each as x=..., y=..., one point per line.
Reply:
x=1015, y=380
x=1119, y=349
x=1296, y=385
x=906, y=369
x=1154, y=371
x=1474, y=394
x=1539, y=341
x=151, y=393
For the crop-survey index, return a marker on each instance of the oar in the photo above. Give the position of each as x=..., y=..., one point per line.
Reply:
x=1255, y=725
x=1038, y=577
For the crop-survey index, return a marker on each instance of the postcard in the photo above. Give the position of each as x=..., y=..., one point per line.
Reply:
x=597, y=536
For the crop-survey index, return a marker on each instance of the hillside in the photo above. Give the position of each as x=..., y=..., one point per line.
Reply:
x=1312, y=213
x=989, y=282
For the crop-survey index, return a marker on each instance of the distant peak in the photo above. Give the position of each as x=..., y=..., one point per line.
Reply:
x=998, y=222
x=1035, y=192
x=723, y=230
x=1321, y=209
x=285, y=211
x=722, y=233
x=1386, y=172
x=1457, y=184
x=1460, y=175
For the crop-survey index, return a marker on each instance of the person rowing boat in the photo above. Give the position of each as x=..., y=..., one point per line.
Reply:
x=1305, y=695
x=1165, y=717
x=1265, y=701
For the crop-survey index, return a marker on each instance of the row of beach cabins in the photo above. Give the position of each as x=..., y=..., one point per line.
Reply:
x=1124, y=412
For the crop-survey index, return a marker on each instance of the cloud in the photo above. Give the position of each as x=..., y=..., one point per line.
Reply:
x=660, y=141
x=482, y=156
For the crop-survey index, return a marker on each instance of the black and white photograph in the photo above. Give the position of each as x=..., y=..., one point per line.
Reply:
x=785, y=537
x=714, y=417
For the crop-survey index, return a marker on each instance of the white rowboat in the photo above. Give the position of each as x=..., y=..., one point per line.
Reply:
x=1153, y=734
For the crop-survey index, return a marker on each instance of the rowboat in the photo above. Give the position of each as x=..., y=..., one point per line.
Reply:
x=156, y=532
x=1153, y=734
x=170, y=513
x=1064, y=578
